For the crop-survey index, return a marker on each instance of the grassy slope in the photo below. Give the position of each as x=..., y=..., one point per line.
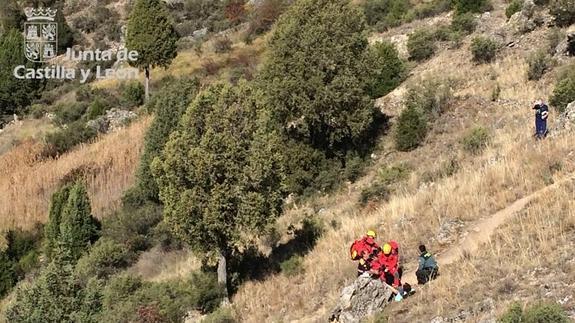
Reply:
x=512, y=167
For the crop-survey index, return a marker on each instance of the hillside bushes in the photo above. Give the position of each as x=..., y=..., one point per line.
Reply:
x=563, y=11
x=539, y=63
x=388, y=69
x=543, y=312
x=483, y=49
x=411, y=129
x=478, y=6
x=476, y=140
x=513, y=7
x=564, y=91
x=421, y=45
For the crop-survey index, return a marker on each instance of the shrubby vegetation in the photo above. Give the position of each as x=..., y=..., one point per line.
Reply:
x=564, y=92
x=411, y=129
x=477, y=6
x=539, y=63
x=476, y=140
x=389, y=70
x=544, y=312
x=421, y=45
x=483, y=49
x=563, y=11
x=513, y=7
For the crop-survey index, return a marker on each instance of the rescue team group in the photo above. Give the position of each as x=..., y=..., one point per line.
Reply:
x=382, y=262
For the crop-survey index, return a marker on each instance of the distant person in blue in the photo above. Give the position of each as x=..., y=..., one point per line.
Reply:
x=541, y=115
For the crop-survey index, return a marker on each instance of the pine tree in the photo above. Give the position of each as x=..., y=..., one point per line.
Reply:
x=7, y=274
x=168, y=106
x=77, y=226
x=152, y=35
x=52, y=228
x=315, y=77
x=219, y=174
x=15, y=94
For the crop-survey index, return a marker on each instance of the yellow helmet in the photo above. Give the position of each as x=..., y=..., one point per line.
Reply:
x=386, y=249
x=371, y=233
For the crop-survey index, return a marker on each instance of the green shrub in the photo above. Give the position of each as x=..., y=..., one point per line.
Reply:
x=293, y=266
x=478, y=6
x=222, y=315
x=563, y=94
x=376, y=192
x=394, y=174
x=513, y=7
x=68, y=113
x=431, y=97
x=384, y=14
x=421, y=45
x=496, y=93
x=548, y=313
x=97, y=108
x=476, y=140
x=133, y=226
x=125, y=296
x=133, y=94
x=264, y=16
x=464, y=23
x=411, y=129
x=37, y=111
x=554, y=38
x=7, y=274
x=563, y=11
x=105, y=258
x=483, y=49
x=539, y=313
x=514, y=314
x=388, y=69
x=63, y=140
x=431, y=8
x=539, y=63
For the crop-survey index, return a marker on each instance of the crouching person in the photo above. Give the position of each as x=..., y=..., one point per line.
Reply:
x=428, y=269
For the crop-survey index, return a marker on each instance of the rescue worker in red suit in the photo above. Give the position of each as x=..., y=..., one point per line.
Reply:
x=386, y=266
x=368, y=250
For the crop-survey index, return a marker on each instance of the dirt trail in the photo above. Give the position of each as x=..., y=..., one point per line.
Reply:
x=482, y=230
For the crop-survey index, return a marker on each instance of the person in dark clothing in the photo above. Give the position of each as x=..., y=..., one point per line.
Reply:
x=428, y=269
x=541, y=115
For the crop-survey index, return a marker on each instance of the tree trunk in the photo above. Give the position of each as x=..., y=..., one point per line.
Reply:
x=147, y=83
x=223, y=277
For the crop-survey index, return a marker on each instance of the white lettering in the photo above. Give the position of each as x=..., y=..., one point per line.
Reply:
x=16, y=73
x=85, y=74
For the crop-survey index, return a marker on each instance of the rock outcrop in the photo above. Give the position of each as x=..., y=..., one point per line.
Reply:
x=566, y=120
x=524, y=21
x=363, y=298
x=112, y=120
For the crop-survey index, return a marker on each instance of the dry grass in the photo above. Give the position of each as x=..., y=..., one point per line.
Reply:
x=158, y=266
x=533, y=251
x=108, y=165
x=512, y=167
x=13, y=135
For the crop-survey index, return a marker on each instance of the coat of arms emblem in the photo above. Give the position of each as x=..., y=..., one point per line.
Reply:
x=41, y=32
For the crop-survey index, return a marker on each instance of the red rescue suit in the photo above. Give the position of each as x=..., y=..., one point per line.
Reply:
x=387, y=267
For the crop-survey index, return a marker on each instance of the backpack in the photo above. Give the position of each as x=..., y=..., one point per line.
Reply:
x=357, y=247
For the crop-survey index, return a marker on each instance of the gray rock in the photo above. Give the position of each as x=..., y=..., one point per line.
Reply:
x=112, y=120
x=365, y=297
x=566, y=120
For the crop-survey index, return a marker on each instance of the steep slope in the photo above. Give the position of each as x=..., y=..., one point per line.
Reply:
x=512, y=167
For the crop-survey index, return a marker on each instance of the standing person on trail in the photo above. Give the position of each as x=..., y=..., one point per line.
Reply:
x=541, y=115
x=428, y=269
x=365, y=250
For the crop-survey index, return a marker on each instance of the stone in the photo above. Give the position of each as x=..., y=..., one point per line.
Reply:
x=112, y=120
x=565, y=121
x=363, y=298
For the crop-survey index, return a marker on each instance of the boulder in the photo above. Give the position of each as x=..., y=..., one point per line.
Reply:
x=525, y=20
x=365, y=297
x=112, y=120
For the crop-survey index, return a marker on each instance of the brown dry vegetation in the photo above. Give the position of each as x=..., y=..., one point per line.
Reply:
x=108, y=166
x=512, y=167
